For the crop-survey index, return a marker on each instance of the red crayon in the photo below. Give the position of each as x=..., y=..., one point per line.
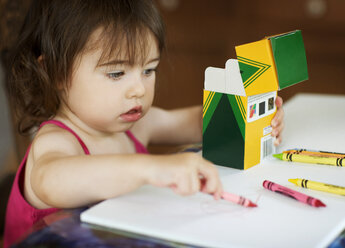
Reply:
x=293, y=194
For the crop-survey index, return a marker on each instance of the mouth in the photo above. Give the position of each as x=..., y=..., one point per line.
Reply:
x=133, y=114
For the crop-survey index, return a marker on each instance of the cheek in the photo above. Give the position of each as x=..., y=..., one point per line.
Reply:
x=150, y=88
x=92, y=101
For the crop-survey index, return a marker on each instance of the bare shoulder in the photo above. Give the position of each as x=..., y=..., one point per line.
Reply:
x=51, y=139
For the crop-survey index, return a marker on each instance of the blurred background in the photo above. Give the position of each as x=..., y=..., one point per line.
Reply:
x=202, y=33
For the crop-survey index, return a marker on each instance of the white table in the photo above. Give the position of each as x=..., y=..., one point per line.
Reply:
x=312, y=121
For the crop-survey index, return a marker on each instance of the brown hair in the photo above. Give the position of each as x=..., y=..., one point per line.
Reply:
x=59, y=30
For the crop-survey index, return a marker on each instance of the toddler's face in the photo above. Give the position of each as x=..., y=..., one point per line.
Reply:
x=111, y=96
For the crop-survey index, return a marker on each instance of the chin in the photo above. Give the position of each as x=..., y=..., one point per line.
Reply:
x=123, y=127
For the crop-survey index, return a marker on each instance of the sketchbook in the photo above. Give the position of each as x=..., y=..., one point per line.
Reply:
x=278, y=221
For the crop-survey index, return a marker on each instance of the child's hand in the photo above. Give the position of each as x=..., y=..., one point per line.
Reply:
x=186, y=174
x=278, y=121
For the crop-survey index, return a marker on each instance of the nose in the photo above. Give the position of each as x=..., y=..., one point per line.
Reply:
x=136, y=88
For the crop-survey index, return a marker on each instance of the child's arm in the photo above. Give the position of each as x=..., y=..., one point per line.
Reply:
x=184, y=126
x=176, y=127
x=61, y=176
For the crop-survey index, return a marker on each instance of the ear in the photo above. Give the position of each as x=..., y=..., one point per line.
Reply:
x=40, y=59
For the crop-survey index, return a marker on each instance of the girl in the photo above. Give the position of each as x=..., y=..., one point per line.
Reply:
x=84, y=72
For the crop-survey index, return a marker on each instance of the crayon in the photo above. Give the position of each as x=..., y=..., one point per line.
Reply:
x=315, y=153
x=230, y=197
x=237, y=199
x=329, y=188
x=293, y=194
x=310, y=159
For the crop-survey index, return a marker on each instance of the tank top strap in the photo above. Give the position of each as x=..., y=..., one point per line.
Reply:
x=139, y=147
x=62, y=125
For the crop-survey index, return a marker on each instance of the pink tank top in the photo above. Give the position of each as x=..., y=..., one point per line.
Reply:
x=20, y=215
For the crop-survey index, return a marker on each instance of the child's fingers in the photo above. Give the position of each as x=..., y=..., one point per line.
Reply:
x=195, y=174
x=217, y=194
x=183, y=186
x=278, y=130
x=195, y=184
x=278, y=121
x=188, y=184
x=211, y=182
x=279, y=101
x=278, y=118
x=277, y=133
x=202, y=184
x=278, y=140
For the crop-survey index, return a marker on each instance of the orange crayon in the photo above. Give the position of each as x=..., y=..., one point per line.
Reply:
x=315, y=153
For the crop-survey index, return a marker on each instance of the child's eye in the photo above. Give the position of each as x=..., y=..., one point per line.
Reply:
x=115, y=74
x=149, y=72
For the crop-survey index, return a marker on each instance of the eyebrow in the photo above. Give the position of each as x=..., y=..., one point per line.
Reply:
x=121, y=62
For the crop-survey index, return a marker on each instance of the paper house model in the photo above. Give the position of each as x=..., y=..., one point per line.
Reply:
x=239, y=100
